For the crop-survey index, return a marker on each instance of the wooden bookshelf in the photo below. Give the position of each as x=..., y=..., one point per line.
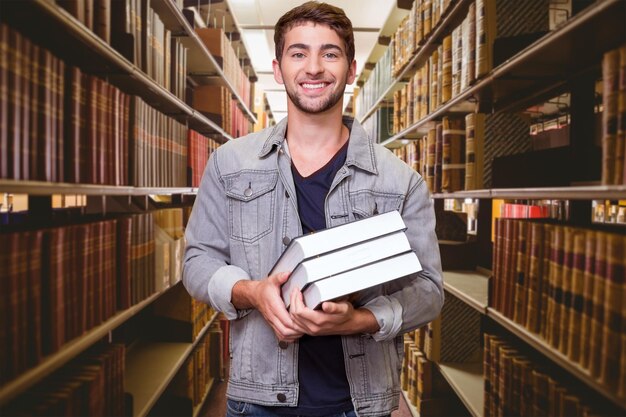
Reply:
x=48, y=188
x=540, y=71
x=466, y=379
x=77, y=45
x=151, y=366
x=585, y=192
x=198, y=408
x=471, y=287
x=453, y=16
x=69, y=352
x=554, y=355
x=201, y=64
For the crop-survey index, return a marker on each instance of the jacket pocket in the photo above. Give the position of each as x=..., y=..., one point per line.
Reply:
x=367, y=203
x=251, y=203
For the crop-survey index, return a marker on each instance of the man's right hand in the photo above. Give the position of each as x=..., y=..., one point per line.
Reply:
x=265, y=296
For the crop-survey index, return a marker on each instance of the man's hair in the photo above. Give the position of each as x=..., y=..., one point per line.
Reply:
x=318, y=13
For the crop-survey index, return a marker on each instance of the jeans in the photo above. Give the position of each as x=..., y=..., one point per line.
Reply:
x=240, y=409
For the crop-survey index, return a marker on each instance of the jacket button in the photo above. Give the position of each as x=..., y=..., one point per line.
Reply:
x=281, y=397
x=286, y=241
x=283, y=345
x=286, y=194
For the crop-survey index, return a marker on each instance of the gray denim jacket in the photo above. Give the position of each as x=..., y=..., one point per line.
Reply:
x=244, y=216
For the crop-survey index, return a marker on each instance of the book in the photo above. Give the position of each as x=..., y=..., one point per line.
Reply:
x=324, y=241
x=344, y=260
x=358, y=279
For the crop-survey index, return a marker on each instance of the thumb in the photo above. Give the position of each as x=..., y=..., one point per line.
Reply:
x=281, y=277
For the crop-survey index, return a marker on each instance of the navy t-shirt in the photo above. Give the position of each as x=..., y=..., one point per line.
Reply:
x=324, y=386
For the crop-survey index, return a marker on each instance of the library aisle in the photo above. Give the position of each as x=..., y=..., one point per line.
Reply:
x=513, y=113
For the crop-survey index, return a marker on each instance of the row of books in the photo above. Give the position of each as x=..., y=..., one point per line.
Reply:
x=424, y=385
x=59, y=282
x=63, y=125
x=415, y=28
x=136, y=31
x=378, y=81
x=614, y=116
x=607, y=211
x=222, y=50
x=379, y=126
x=199, y=149
x=91, y=385
x=203, y=366
x=565, y=284
x=216, y=103
x=516, y=386
x=451, y=156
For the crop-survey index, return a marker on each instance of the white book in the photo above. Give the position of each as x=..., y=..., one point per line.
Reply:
x=308, y=246
x=343, y=260
x=360, y=278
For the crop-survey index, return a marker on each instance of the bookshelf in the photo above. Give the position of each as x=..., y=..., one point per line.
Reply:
x=69, y=352
x=566, y=59
x=466, y=379
x=540, y=71
x=151, y=366
x=77, y=46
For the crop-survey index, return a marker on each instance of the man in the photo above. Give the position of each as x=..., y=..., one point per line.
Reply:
x=313, y=170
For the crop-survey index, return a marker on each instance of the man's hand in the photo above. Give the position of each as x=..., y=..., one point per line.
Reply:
x=264, y=295
x=335, y=318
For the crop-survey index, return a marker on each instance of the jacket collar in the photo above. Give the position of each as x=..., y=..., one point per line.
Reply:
x=360, y=149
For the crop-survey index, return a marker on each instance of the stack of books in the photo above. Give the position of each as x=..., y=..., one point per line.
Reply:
x=342, y=260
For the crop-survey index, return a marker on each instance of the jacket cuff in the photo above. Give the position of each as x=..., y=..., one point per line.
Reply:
x=388, y=313
x=220, y=289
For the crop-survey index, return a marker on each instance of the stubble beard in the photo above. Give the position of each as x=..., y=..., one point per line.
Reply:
x=318, y=106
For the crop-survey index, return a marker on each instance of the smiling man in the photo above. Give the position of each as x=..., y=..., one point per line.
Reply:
x=315, y=169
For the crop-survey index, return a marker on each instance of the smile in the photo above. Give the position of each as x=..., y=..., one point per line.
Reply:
x=314, y=86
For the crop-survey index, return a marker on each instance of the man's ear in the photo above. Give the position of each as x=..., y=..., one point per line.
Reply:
x=351, y=72
x=278, y=75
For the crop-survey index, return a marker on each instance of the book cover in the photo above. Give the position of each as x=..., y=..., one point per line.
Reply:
x=358, y=279
x=324, y=241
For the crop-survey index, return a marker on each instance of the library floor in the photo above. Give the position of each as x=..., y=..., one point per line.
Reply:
x=215, y=405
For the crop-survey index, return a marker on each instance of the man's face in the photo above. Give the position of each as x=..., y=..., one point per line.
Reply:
x=314, y=68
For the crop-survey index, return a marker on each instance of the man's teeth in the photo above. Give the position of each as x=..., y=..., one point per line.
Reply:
x=319, y=85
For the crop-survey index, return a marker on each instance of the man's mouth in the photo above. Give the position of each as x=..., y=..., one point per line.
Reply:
x=314, y=86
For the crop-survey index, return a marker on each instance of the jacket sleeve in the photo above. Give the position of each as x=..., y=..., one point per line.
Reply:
x=207, y=273
x=417, y=300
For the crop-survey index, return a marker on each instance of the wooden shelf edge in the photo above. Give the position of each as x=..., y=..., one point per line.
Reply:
x=189, y=347
x=411, y=407
x=205, y=396
x=456, y=289
x=69, y=352
x=566, y=192
x=48, y=188
x=554, y=355
x=464, y=378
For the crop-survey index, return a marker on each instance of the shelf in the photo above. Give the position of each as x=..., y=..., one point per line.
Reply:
x=199, y=59
x=584, y=192
x=411, y=407
x=470, y=287
x=48, y=188
x=467, y=380
x=198, y=408
x=453, y=17
x=151, y=366
x=79, y=46
x=542, y=70
x=69, y=351
x=554, y=355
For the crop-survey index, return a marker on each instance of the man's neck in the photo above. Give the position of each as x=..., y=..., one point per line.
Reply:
x=314, y=138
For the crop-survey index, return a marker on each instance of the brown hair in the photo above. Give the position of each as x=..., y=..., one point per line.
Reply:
x=318, y=13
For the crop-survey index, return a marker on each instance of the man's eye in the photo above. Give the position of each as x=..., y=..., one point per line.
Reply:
x=298, y=55
x=330, y=55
